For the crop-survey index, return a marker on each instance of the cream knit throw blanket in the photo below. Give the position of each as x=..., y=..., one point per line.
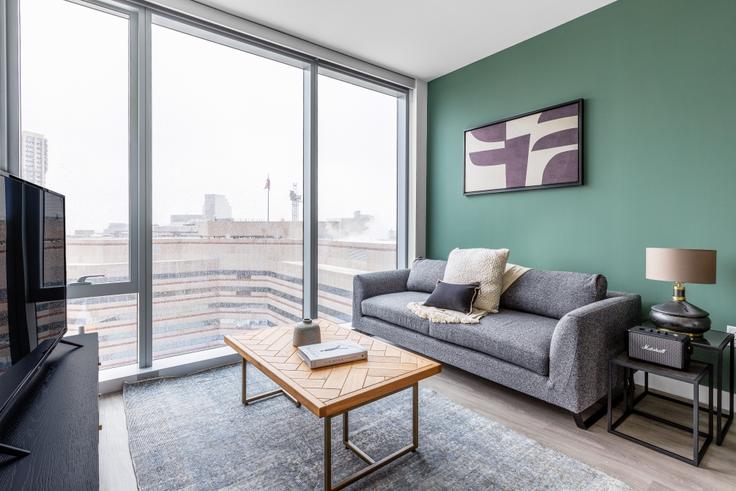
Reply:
x=443, y=316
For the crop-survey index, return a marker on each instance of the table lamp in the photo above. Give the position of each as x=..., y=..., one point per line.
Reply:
x=681, y=266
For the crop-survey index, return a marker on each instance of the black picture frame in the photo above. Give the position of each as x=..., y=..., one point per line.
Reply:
x=578, y=182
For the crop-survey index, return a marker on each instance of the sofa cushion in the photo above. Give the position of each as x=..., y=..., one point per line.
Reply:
x=392, y=308
x=554, y=293
x=424, y=274
x=519, y=338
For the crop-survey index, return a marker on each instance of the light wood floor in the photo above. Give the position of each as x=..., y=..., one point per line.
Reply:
x=116, y=466
x=551, y=427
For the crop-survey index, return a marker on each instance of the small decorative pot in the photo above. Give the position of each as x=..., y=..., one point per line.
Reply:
x=306, y=332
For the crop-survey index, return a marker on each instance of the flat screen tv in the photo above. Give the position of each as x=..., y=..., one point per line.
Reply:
x=32, y=283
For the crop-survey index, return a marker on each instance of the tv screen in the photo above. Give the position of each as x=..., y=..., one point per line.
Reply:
x=32, y=270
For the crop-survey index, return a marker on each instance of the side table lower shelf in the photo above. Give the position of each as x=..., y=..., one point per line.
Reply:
x=715, y=348
x=694, y=376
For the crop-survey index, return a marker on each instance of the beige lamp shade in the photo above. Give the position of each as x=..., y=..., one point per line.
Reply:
x=683, y=265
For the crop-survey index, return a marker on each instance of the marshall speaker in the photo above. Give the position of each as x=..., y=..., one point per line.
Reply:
x=661, y=347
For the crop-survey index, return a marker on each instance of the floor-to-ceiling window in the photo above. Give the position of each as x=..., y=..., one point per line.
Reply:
x=227, y=189
x=76, y=140
x=358, y=171
x=182, y=149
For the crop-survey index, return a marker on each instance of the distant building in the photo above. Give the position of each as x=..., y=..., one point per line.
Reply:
x=116, y=229
x=185, y=219
x=35, y=158
x=216, y=207
x=296, y=200
x=236, y=229
x=349, y=228
x=178, y=230
x=250, y=229
x=355, y=225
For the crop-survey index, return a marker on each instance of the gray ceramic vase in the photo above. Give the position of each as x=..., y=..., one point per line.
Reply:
x=306, y=332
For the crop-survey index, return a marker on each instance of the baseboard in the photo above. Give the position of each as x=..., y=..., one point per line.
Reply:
x=112, y=379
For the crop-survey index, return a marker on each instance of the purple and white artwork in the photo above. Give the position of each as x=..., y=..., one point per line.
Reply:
x=535, y=150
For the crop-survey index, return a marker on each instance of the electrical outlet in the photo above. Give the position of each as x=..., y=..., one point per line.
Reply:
x=731, y=329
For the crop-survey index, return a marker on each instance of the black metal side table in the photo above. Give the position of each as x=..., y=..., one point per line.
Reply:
x=717, y=342
x=694, y=376
x=713, y=344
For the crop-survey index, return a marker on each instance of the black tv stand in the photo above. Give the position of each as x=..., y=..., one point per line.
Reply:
x=20, y=452
x=70, y=343
x=56, y=420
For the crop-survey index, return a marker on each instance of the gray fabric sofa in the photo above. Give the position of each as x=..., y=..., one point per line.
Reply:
x=551, y=339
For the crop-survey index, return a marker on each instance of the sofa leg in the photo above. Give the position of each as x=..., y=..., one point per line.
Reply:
x=586, y=423
x=600, y=410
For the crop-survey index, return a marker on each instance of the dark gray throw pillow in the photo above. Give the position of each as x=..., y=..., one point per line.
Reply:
x=452, y=296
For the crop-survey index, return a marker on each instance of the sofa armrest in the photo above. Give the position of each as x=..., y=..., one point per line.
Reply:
x=585, y=340
x=369, y=285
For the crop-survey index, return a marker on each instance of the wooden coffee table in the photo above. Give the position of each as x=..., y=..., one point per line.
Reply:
x=332, y=391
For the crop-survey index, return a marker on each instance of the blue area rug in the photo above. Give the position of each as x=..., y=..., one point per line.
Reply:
x=194, y=433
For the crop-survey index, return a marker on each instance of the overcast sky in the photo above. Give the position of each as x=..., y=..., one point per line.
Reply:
x=223, y=120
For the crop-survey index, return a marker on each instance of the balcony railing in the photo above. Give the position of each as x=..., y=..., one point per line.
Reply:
x=205, y=288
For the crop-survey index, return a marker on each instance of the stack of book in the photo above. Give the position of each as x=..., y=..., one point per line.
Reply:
x=331, y=353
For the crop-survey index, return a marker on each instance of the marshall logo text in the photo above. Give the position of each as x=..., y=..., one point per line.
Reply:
x=653, y=349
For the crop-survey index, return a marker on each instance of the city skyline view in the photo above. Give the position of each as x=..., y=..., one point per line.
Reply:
x=215, y=207
x=228, y=141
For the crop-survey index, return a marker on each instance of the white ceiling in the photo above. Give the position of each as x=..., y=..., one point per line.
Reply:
x=421, y=38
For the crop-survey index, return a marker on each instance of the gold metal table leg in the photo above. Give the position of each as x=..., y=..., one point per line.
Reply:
x=373, y=465
x=264, y=395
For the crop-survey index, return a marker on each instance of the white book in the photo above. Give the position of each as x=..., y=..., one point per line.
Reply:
x=331, y=353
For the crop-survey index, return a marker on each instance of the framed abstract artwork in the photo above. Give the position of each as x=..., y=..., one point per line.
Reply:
x=536, y=150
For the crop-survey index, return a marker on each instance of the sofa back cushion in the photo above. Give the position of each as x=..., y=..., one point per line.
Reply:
x=424, y=274
x=554, y=293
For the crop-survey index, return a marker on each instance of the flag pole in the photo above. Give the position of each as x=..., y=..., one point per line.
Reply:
x=268, y=198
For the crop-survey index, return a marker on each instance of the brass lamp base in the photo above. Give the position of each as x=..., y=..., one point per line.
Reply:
x=680, y=316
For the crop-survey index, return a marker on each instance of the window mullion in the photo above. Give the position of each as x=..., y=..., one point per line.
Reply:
x=402, y=181
x=3, y=91
x=141, y=60
x=310, y=239
x=10, y=87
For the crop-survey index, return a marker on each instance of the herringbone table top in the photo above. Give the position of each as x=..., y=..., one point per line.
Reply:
x=332, y=390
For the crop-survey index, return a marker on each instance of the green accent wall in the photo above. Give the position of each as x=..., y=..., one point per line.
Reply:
x=659, y=82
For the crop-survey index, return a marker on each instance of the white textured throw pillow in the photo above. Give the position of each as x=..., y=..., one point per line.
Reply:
x=485, y=266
